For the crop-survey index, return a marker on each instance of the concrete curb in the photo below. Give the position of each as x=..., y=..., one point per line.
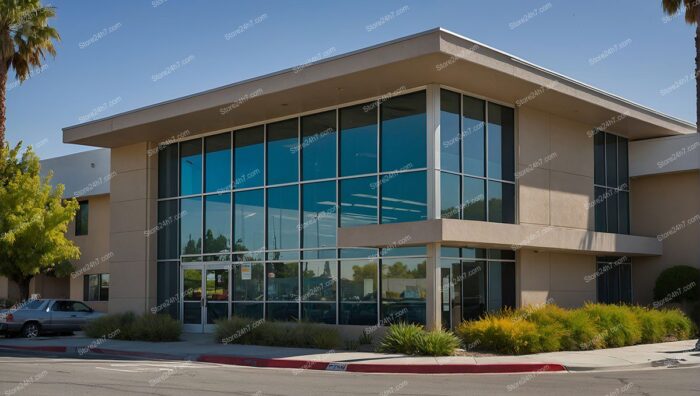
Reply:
x=385, y=368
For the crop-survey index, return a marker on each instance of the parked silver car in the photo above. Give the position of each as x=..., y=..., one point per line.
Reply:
x=46, y=316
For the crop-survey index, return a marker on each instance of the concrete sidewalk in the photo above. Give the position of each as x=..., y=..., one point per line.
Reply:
x=201, y=347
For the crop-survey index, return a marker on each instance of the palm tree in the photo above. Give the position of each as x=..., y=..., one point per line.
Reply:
x=692, y=16
x=25, y=39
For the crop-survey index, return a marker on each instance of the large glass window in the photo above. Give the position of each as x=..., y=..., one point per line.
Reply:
x=248, y=157
x=319, y=215
x=450, y=136
x=82, y=218
x=282, y=152
x=614, y=280
x=358, y=201
x=403, y=134
x=167, y=171
x=501, y=154
x=358, y=140
x=404, y=197
x=217, y=174
x=166, y=230
x=319, y=280
x=283, y=218
x=611, y=183
x=217, y=223
x=249, y=221
x=191, y=226
x=450, y=206
x=358, y=292
x=473, y=138
x=248, y=281
x=474, y=199
x=191, y=167
x=501, y=202
x=318, y=146
x=167, y=283
x=403, y=290
x=283, y=285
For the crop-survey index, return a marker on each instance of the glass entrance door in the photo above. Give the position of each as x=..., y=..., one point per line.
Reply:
x=205, y=295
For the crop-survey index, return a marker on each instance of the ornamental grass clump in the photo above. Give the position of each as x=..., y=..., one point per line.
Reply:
x=412, y=339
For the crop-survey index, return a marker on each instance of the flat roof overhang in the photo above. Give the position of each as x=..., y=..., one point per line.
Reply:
x=432, y=57
x=497, y=235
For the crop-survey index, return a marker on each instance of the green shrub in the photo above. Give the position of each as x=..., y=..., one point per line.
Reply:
x=402, y=338
x=259, y=332
x=411, y=339
x=681, y=281
x=128, y=326
x=365, y=338
x=550, y=328
x=438, y=343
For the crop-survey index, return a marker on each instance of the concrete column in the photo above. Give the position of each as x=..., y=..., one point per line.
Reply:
x=433, y=319
x=433, y=147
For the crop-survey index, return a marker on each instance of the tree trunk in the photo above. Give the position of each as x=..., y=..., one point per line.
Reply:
x=23, y=288
x=3, y=88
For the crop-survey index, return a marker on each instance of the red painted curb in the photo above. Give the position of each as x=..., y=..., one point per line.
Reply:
x=35, y=348
x=386, y=368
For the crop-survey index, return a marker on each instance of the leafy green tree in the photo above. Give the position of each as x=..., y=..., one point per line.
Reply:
x=33, y=220
x=25, y=39
x=691, y=8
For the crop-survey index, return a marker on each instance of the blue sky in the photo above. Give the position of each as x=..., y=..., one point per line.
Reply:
x=115, y=56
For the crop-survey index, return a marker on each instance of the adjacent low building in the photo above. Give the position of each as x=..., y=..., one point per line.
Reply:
x=428, y=179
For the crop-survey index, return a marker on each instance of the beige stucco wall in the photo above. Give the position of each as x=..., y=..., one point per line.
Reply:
x=558, y=278
x=133, y=209
x=555, y=165
x=659, y=203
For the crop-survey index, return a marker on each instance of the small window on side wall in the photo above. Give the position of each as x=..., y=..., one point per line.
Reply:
x=96, y=287
x=81, y=219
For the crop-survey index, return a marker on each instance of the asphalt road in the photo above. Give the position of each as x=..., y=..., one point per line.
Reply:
x=44, y=374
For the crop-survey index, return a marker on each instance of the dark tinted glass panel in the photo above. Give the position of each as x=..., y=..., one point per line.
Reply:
x=249, y=221
x=358, y=201
x=600, y=210
x=248, y=281
x=473, y=253
x=358, y=140
x=318, y=312
x=501, y=156
x=167, y=171
x=403, y=251
x=406, y=312
x=473, y=136
x=358, y=280
x=319, y=214
x=217, y=175
x=449, y=196
x=248, y=310
x=358, y=253
x=191, y=167
x=104, y=287
x=622, y=163
x=192, y=313
x=283, y=218
x=166, y=230
x=449, y=252
x=217, y=223
x=501, y=279
x=318, y=145
x=167, y=288
x=358, y=313
x=248, y=157
x=282, y=281
x=404, y=197
x=283, y=312
x=599, y=157
x=624, y=212
x=319, y=280
x=403, y=132
x=611, y=159
x=495, y=254
x=474, y=199
x=501, y=202
x=282, y=152
x=626, y=283
x=216, y=311
x=473, y=289
x=191, y=226
x=612, y=211
x=450, y=137
x=82, y=218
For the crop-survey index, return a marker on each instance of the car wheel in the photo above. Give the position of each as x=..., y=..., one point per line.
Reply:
x=30, y=330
